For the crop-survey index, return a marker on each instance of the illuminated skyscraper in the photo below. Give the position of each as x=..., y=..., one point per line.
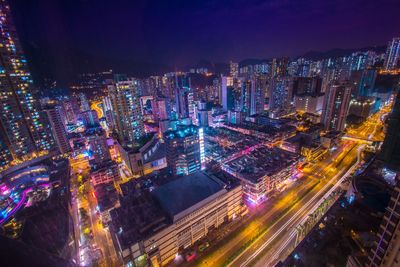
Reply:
x=185, y=149
x=234, y=69
x=54, y=114
x=182, y=91
x=23, y=132
x=280, y=95
x=71, y=109
x=227, y=96
x=84, y=102
x=392, y=57
x=257, y=95
x=90, y=119
x=336, y=106
x=128, y=118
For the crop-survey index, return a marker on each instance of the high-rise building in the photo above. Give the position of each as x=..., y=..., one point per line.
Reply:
x=84, y=102
x=247, y=87
x=202, y=114
x=227, y=94
x=161, y=108
x=99, y=149
x=234, y=69
x=71, y=110
x=282, y=66
x=280, y=94
x=367, y=82
x=392, y=57
x=257, y=96
x=185, y=149
x=128, y=117
x=309, y=103
x=307, y=94
x=307, y=86
x=23, y=131
x=359, y=61
x=57, y=126
x=336, y=106
x=390, y=151
x=182, y=91
x=386, y=249
x=108, y=112
x=90, y=118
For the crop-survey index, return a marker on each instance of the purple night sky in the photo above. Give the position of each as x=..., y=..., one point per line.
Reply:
x=68, y=34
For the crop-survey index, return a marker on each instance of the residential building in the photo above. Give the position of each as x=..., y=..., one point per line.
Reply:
x=128, y=118
x=24, y=132
x=58, y=129
x=392, y=57
x=336, y=106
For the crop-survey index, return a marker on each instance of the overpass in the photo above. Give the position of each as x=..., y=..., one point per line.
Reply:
x=357, y=139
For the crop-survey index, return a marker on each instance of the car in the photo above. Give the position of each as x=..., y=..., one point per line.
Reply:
x=190, y=256
x=203, y=246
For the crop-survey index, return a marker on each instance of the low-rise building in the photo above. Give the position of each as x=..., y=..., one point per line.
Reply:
x=263, y=171
x=146, y=157
x=107, y=199
x=107, y=172
x=153, y=226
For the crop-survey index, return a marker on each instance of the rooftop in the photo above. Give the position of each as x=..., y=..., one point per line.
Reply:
x=145, y=211
x=183, y=131
x=181, y=194
x=260, y=162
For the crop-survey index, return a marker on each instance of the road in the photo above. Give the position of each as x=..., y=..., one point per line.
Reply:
x=97, y=107
x=276, y=245
x=101, y=236
x=276, y=213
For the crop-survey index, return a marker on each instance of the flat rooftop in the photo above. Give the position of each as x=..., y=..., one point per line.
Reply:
x=182, y=132
x=144, y=211
x=260, y=162
x=183, y=193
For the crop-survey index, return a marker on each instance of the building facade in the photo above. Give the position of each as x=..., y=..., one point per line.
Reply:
x=23, y=130
x=58, y=129
x=128, y=118
x=336, y=106
x=185, y=154
x=392, y=57
x=386, y=250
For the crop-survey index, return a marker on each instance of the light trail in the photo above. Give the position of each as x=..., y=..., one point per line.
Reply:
x=315, y=207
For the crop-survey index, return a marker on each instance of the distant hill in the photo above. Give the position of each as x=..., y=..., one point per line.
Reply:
x=339, y=52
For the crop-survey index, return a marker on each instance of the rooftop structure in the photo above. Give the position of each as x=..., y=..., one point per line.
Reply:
x=263, y=171
x=261, y=162
x=181, y=196
x=268, y=132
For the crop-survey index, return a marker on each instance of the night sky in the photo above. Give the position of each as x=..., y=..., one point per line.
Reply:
x=62, y=38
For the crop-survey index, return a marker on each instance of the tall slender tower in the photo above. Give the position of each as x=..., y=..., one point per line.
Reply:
x=128, y=118
x=392, y=57
x=336, y=106
x=22, y=130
